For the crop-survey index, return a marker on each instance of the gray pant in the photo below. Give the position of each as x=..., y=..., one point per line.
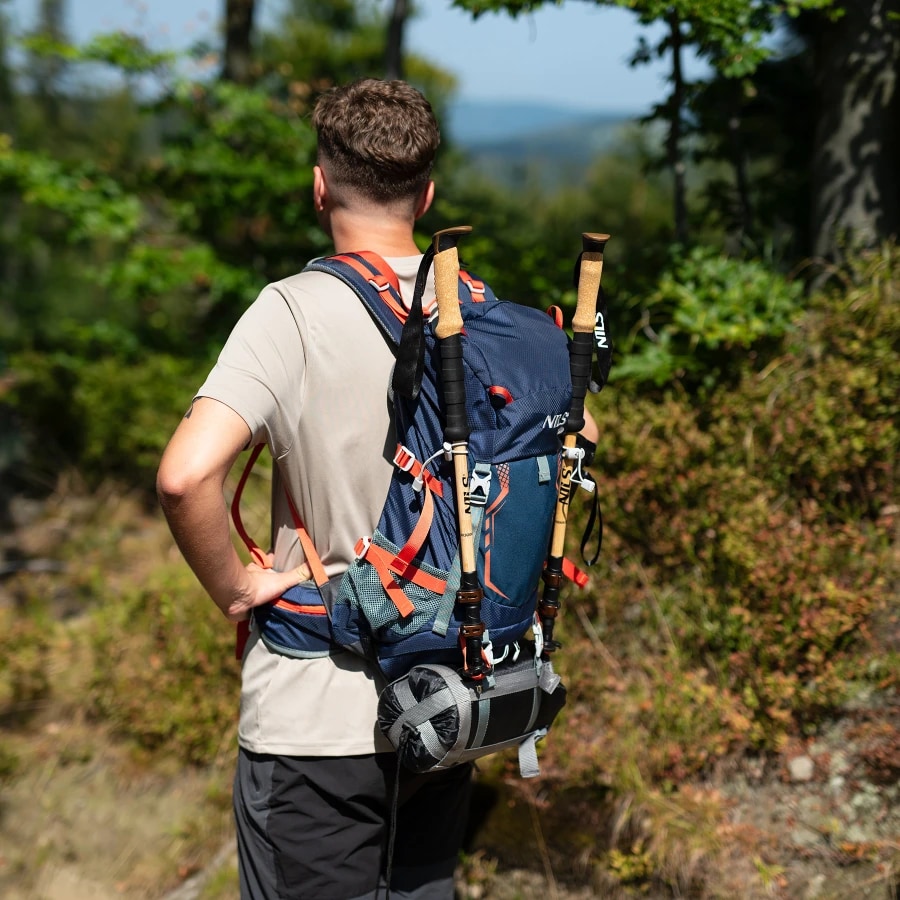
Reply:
x=318, y=827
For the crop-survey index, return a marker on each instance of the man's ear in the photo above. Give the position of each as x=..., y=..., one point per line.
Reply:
x=425, y=200
x=320, y=189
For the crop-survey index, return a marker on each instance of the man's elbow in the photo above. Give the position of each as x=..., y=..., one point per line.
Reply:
x=171, y=486
x=176, y=483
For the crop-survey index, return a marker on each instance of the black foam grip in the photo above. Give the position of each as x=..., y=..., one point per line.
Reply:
x=581, y=352
x=456, y=426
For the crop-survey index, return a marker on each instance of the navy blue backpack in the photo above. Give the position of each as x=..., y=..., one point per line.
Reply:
x=395, y=603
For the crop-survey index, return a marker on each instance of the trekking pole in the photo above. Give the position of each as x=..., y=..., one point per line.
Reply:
x=580, y=360
x=456, y=435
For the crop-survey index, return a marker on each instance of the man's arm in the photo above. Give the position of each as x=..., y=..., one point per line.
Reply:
x=190, y=485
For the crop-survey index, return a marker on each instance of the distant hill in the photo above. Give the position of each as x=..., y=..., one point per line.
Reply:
x=508, y=140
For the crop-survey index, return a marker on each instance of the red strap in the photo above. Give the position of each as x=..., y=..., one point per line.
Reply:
x=405, y=460
x=381, y=560
x=574, y=574
x=260, y=558
x=383, y=278
x=309, y=551
x=476, y=287
x=242, y=631
x=556, y=314
x=412, y=547
x=241, y=637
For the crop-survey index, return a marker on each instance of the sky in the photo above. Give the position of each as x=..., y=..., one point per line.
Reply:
x=574, y=55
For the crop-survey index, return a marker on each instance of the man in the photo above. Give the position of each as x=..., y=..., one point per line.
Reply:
x=307, y=371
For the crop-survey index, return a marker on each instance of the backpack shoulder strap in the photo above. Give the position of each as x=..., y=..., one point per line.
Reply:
x=374, y=282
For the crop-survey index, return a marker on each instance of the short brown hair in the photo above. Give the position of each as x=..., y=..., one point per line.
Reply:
x=378, y=138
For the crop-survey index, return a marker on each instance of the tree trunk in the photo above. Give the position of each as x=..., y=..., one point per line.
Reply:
x=673, y=141
x=237, y=62
x=739, y=163
x=855, y=190
x=7, y=94
x=47, y=71
x=393, y=57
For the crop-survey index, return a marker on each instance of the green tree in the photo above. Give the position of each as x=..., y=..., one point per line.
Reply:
x=856, y=72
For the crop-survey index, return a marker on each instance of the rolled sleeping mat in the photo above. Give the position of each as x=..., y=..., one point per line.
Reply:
x=436, y=719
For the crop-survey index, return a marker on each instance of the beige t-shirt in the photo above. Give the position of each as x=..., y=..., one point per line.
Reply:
x=308, y=370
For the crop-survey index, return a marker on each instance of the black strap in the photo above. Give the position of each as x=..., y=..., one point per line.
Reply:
x=410, y=364
x=395, y=806
x=595, y=517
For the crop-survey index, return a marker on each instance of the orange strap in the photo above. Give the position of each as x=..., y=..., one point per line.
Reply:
x=387, y=565
x=403, y=459
x=309, y=550
x=381, y=560
x=309, y=609
x=385, y=282
x=411, y=550
x=262, y=559
x=476, y=287
x=256, y=553
x=574, y=574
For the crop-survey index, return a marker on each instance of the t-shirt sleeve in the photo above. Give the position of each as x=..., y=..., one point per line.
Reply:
x=260, y=373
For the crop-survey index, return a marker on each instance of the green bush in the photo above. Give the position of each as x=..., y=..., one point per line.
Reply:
x=107, y=416
x=165, y=675
x=748, y=554
x=24, y=645
x=824, y=418
x=707, y=314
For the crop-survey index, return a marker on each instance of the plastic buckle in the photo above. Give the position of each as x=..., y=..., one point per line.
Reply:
x=479, y=488
x=404, y=459
x=362, y=548
x=381, y=288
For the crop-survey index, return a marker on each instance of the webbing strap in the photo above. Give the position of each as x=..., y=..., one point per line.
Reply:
x=574, y=574
x=484, y=716
x=412, y=547
x=312, y=557
x=528, y=758
x=380, y=276
x=543, y=469
x=309, y=550
x=260, y=558
x=404, y=459
x=381, y=560
x=476, y=287
x=386, y=566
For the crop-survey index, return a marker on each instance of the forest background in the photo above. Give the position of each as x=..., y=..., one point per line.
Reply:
x=741, y=626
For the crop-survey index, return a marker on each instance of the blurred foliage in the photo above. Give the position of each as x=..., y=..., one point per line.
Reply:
x=112, y=413
x=749, y=553
x=24, y=677
x=164, y=673
x=707, y=313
